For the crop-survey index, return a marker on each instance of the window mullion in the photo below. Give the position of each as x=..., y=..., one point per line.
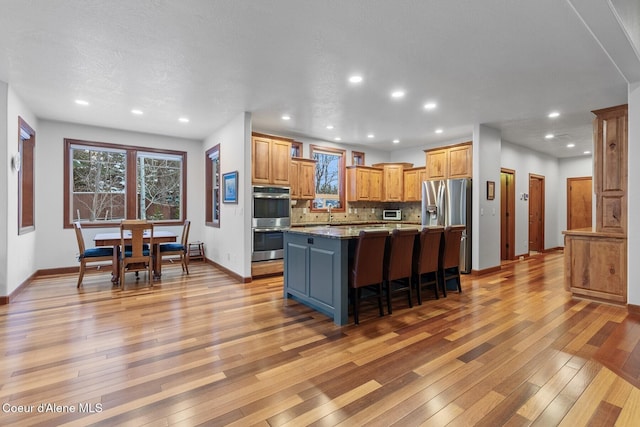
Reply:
x=131, y=188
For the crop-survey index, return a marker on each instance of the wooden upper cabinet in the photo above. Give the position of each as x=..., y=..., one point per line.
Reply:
x=364, y=183
x=302, y=179
x=270, y=161
x=358, y=183
x=393, y=183
x=460, y=163
x=375, y=185
x=260, y=149
x=393, y=180
x=610, y=169
x=412, y=184
x=436, y=162
x=450, y=162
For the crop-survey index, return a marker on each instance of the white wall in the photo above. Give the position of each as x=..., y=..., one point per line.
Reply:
x=230, y=244
x=56, y=246
x=5, y=170
x=21, y=259
x=633, y=227
x=417, y=156
x=371, y=155
x=485, y=213
x=525, y=162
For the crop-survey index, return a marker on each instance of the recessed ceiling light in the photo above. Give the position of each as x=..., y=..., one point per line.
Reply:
x=430, y=105
x=571, y=145
x=286, y=117
x=355, y=79
x=439, y=131
x=587, y=152
x=396, y=141
x=554, y=114
x=337, y=138
x=370, y=135
x=549, y=136
x=137, y=112
x=329, y=127
x=183, y=120
x=81, y=102
x=397, y=94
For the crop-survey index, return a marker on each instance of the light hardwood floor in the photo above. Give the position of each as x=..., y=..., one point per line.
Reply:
x=512, y=349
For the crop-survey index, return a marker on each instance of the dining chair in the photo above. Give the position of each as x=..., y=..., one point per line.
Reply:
x=397, y=266
x=450, y=265
x=91, y=255
x=365, y=271
x=136, y=255
x=180, y=249
x=426, y=260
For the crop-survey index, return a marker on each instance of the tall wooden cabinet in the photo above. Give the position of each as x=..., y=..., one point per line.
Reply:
x=450, y=162
x=610, y=169
x=596, y=259
x=270, y=160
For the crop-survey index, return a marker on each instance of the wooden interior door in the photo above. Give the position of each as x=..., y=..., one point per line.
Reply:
x=579, y=202
x=507, y=214
x=536, y=213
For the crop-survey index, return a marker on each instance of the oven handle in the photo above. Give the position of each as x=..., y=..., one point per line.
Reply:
x=270, y=196
x=262, y=230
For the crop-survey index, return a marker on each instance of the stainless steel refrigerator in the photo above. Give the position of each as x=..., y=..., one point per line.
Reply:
x=449, y=203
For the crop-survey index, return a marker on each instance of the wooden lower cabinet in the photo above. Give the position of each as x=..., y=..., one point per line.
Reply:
x=596, y=265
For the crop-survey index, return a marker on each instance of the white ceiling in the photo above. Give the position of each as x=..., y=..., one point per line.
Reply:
x=504, y=63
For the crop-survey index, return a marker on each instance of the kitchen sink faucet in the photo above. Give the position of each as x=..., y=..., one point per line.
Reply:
x=329, y=210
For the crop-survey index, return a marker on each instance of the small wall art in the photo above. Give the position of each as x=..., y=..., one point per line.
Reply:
x=230, y=187
x=491, y=190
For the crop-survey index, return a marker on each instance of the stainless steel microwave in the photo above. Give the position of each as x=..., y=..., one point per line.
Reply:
x=391, y=215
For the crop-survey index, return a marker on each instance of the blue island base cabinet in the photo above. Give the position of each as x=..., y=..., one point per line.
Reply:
x=315, y=273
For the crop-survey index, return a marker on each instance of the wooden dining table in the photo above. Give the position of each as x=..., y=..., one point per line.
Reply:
x=114, y=240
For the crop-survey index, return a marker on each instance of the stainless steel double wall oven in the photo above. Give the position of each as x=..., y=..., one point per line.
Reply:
x=271, y=215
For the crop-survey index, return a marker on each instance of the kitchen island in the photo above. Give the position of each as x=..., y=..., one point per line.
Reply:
x=316, y=265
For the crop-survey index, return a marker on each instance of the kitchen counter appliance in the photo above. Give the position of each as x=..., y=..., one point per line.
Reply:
x=448, y=203
x=391, y=215
x=271, y=215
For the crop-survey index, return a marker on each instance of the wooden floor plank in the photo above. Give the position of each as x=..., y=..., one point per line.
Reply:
x=512, y=349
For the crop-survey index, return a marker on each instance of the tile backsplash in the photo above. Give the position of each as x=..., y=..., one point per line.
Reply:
x=355, y=212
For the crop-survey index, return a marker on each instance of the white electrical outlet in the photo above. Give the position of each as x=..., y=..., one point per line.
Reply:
x=373, y=210
x=304, y=210
x=350, y=210
x=355, y=210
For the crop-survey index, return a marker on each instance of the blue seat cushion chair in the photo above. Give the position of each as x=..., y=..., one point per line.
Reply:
x=97, y=252
x=128, y=252
x=172, y=247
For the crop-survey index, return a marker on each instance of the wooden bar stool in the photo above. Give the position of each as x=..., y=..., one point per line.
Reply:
x=366, y=270
x=426, y=260
x=450, y=265
x=398, y=263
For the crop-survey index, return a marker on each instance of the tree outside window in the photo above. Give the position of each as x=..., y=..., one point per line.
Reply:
x=329, y=178
x=98, y=184
x=159, y=179
x=106, y=183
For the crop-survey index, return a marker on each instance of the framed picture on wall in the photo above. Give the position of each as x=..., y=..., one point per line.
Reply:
x=230, y=187
x=491, y=190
